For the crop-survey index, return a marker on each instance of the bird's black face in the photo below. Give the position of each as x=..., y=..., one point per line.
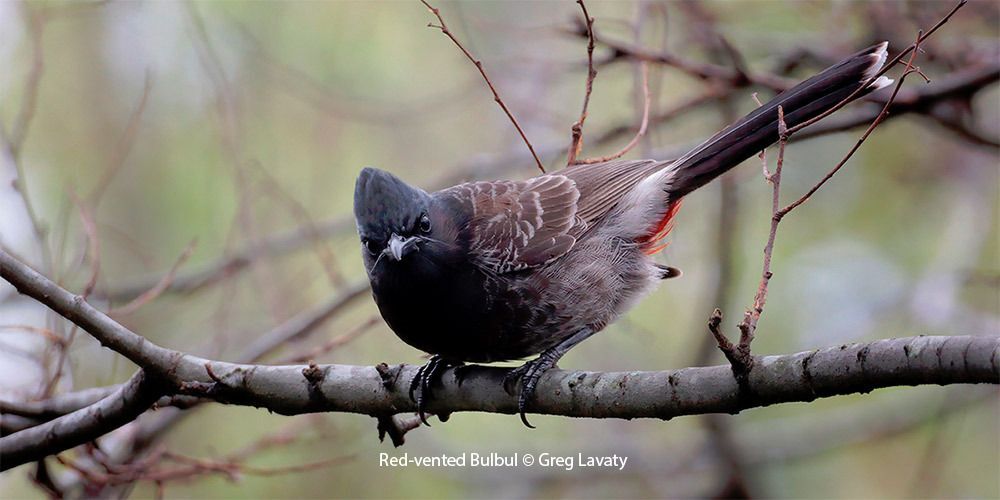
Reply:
x=392, y=217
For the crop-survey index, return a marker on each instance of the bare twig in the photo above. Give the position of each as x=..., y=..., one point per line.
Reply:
x=19, y=130
x=709, y=97
x=47, y=333
x=124, y=145
x=93, y=246
x=700, y=70
x=333, y=343
x=871, y=128
x=577, y=131
x=302, y=324
x=962, y=84
x=921, y=36
x=763, y=152
x=323, y=251
x=642, y=126
x=741, y=353
x=232, y=466
x=748, y=326
x=227, y=266
x=94, y=256
x=157, y=289
x=479, y=65
x=12, y=145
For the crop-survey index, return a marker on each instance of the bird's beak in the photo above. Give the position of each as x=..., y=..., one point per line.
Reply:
x=400, y=247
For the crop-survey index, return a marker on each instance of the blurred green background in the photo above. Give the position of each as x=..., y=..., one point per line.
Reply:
x=258, y=116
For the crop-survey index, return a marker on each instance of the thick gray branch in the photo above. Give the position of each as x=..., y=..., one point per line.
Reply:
x=84, y=425
x=804, y=376
x=57, y=405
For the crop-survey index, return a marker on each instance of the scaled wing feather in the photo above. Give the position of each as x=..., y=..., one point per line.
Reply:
x=517, y=225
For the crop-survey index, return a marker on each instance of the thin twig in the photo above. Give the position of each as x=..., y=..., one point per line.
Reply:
x=93, y=245
x=157, y=289
x=763, y=152
x=577, y=131
x=22, y=123
x=124, y=147
x=94, y=255
x=748, y=326
x=232, y=466
x=642, y=127
x=332, y=344
x=47, y=333
x=13, y=144
x=871, y=128
x=885, y=68
x=700, y=70
x=744, y=361
x=479, y=65
x=324, y=253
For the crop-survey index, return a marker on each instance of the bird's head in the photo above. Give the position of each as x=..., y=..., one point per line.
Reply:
x=392, y=216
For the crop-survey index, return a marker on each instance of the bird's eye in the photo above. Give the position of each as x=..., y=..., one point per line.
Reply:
x=370, y=246
x=425, y=224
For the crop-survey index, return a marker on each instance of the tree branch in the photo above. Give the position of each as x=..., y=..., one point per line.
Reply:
x=803, y=376
x=81, y=426
x=361, y=389
x=58, y=405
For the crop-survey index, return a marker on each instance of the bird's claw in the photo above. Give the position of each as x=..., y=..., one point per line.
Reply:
x=424, y=379
x=528, y=374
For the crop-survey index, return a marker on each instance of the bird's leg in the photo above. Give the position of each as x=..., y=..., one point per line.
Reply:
x=424, y=378
x=530, y=372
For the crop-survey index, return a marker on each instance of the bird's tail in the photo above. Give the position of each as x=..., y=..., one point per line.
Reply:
x=759, y=129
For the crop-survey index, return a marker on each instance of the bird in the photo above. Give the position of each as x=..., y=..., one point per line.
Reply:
x=503, y=270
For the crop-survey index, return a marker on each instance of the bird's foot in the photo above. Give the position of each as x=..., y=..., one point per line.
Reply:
x=423, y=380
x=528, y=374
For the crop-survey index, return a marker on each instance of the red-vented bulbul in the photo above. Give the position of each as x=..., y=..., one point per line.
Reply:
x=503, y=270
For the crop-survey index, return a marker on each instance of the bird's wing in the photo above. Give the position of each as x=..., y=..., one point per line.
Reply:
x=519, y=224
x=603, y=185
